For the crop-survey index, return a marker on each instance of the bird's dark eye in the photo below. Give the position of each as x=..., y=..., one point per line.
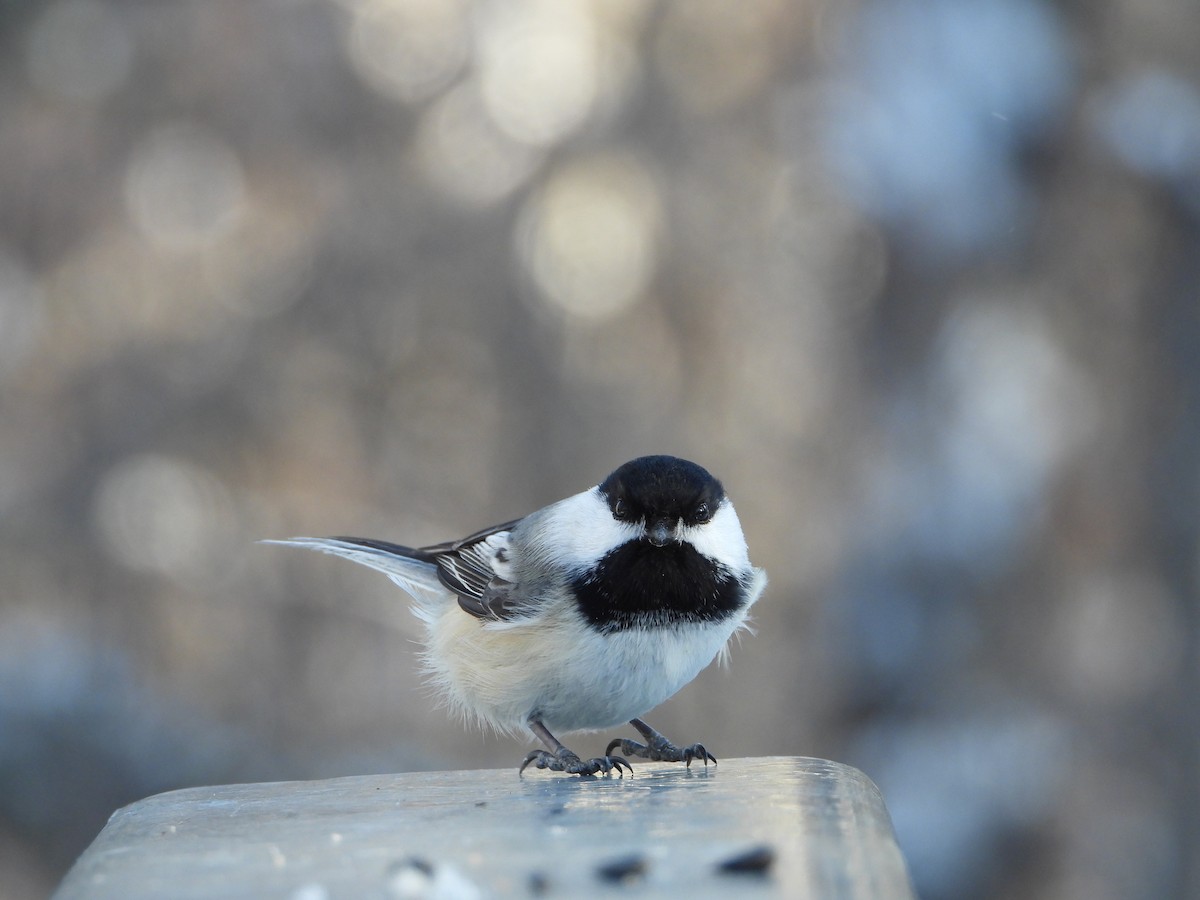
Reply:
x=620, y=509
x=703, y=512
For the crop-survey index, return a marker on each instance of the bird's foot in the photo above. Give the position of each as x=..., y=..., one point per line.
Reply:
x=563, y=760
x=658, y=748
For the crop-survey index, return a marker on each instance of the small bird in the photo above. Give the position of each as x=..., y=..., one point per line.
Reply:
x=583, y=615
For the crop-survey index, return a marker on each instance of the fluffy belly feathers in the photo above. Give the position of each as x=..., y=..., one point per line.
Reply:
x=502, y=674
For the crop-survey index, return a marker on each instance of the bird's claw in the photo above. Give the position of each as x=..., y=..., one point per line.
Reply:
x=660, y=749
x=564, y=760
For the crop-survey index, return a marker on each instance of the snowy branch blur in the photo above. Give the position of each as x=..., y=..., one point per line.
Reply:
x=919, y=280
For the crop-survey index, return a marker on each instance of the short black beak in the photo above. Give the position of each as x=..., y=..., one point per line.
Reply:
x=661, y=533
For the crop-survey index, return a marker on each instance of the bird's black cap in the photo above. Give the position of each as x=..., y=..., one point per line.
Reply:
x=662, y=487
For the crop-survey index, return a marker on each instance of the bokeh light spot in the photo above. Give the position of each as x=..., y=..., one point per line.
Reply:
x=538, y=70
x=159, y=514
x=465, y=157
x=184, y=187
x=589, y=239
x=409, y=49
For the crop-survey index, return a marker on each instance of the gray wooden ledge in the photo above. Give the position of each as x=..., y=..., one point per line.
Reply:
x=812, y=828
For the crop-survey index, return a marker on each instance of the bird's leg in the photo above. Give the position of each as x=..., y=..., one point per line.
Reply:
x=560, y=759
x=658, y=747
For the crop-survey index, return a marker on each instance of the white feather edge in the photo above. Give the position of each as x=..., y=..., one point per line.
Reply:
x=416, y=578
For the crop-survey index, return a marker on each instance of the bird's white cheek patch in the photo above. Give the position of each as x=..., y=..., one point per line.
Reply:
x=720, y=538
x=579, y=531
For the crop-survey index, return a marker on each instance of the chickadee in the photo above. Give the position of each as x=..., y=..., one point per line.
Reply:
x=582, y=615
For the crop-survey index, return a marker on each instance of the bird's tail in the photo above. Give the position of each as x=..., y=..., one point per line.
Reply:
x=411, y=569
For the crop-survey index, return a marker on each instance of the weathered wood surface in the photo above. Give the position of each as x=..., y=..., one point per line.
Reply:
x=821, y=828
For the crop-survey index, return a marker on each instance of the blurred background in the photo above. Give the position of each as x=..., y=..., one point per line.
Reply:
x=919, y=280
